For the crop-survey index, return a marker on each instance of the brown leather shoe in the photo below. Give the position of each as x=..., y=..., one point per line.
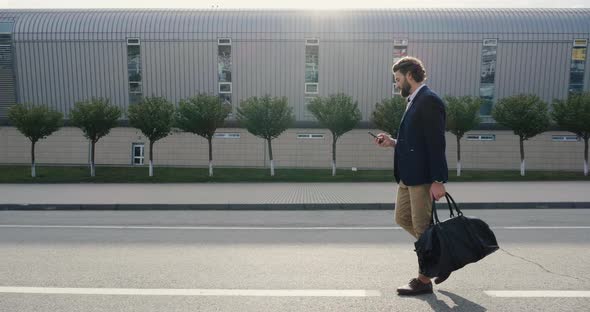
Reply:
x=415, y=287
x=442, y=278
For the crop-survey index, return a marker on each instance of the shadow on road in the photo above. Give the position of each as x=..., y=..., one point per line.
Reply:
x=461, y=304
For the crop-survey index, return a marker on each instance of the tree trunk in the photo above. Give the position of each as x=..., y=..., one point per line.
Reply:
x=458, y=156
x=334, y=139
x=92, y=167
x=151, y=158
x=33, y=171
x=210, y=139
x=522, y=165
x=272, y=162
x=586, y=156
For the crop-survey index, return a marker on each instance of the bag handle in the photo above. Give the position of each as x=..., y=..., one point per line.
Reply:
x=451, y=204
x=451, y=200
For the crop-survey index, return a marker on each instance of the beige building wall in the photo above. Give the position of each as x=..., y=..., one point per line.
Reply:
x=354, y=149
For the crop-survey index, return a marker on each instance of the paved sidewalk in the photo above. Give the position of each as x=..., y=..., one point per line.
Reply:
x=281, y=196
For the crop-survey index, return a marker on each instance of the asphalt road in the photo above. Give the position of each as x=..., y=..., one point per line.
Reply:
x=279, y=261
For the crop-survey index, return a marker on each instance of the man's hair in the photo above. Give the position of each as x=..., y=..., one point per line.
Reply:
x=410, y=65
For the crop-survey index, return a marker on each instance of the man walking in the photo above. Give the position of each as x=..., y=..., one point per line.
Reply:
x=420, y=166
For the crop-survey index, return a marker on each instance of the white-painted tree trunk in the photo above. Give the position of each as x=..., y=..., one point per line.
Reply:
x=272, y=168
x=522, y=168
x=92, y=167
x=151, y=169
x=33, y=171
x=458, y=168
x=585, y=168
x=333, y=169
x=210, y=168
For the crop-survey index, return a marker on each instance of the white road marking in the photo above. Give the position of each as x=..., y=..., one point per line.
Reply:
x=546, y=227
x=133, y=227
x=364, y=228
x=538, y=293
x=196, y=292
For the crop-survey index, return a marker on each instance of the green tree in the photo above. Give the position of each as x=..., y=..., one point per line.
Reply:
x=573, y=115
x=202, y=115
x=339, y=114
x=266, y=117
x=462, y=116
x=95, y=117
x=526, y=115
x=153, y=116
x=35, y=123
x=388, y=114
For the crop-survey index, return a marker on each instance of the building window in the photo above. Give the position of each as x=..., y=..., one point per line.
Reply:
x=311, y=88
x=311, y=136
x=312, y=70
x=481, y=137
x=578, y=66
x=224, y=41
x=224, y=70
x=134, y=72
x=132, y=41
x=487, y=76
x=400, y=50
x=227, y=135
x=137, y=154
x=225, y=87
x=7, y=78
x=307, y=112
x=565, y=138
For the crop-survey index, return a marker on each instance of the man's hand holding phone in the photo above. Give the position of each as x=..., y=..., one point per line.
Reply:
x=383, y=140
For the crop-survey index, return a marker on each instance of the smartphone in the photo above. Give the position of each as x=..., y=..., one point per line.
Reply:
x=376, y=137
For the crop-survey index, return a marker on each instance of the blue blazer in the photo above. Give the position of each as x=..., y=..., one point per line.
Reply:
x=420, y=150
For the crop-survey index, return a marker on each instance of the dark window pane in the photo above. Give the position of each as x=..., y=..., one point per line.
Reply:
x=486, y=107
x=486, y=90
x=135, y=76
x=312, y=63
x=6, y=27
x=135, y=98
x=225, y=99
x=488, y=64
x=225, y=87
x=577, y=69
x=577, y=78
x=224, y=64
x=135, y=87
x=311, y=76
x=5, y=39
x=225, y=75
x=578, y=88
x=133, y=51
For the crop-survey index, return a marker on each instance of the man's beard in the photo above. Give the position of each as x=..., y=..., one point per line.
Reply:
x=405, y=89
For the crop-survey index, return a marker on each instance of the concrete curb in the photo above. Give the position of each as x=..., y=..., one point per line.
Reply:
x=311, y=206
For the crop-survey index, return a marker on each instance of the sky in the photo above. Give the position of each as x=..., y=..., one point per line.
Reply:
x=299, y=4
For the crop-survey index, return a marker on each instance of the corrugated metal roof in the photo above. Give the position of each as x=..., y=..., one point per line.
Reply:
x=531, y=21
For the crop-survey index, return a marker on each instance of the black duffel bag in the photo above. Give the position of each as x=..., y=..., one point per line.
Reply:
x=450, y=245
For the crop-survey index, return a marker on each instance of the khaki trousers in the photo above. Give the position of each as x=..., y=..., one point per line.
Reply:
x=413, y=208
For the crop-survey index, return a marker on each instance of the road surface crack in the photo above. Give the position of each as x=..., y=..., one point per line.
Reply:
x=582, y=279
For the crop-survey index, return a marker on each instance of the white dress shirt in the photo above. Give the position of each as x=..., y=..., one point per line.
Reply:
x=413, y=95
x=410, y=99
